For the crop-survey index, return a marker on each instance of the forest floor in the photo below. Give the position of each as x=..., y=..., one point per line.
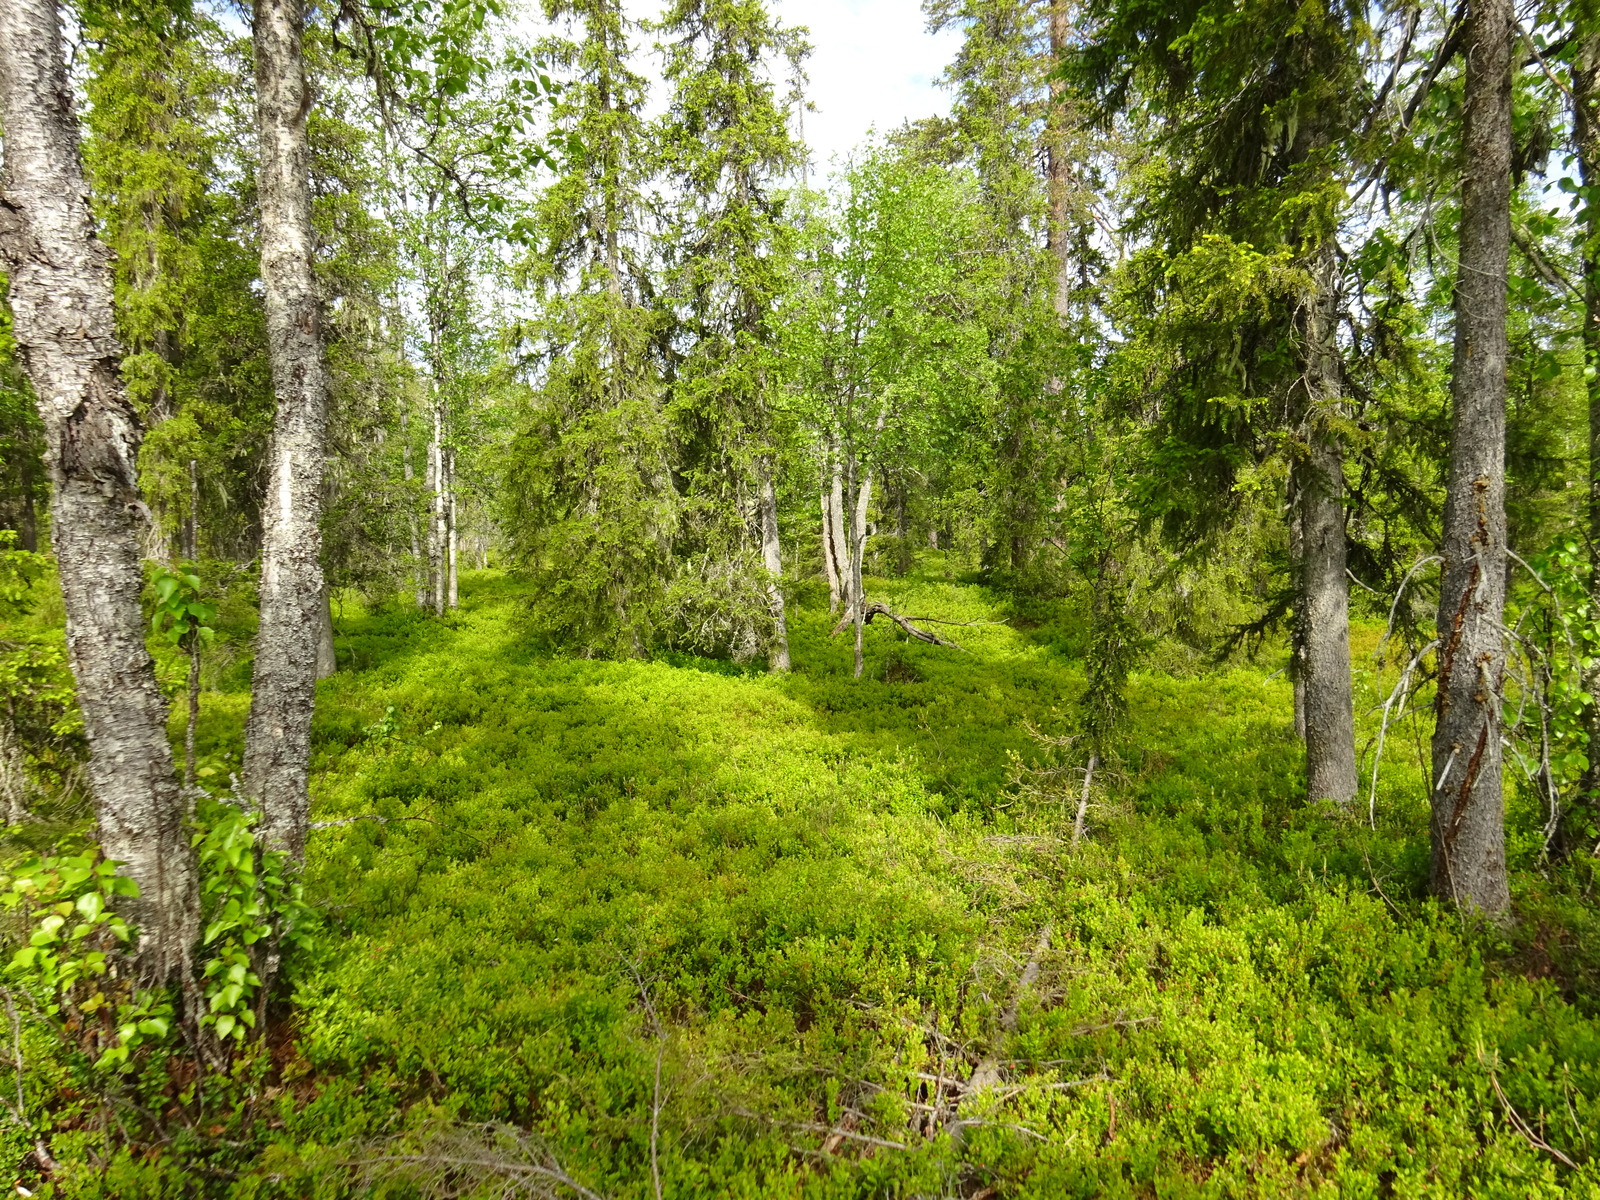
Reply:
x=679, y=929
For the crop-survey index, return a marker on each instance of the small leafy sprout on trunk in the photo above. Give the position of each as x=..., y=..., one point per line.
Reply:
x=184, y=618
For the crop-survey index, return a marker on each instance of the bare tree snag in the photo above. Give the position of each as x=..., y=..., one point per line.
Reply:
x=61, y=300
x=1468, y=825
x=278, y=736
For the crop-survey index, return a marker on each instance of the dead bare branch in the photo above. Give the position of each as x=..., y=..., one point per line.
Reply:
x=875, y=609
x=1522, y=1126
x=455, y=1161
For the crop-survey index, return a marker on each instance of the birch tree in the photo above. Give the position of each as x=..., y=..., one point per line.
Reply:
x=888, y=337
x=278, y=736
x=61, y=298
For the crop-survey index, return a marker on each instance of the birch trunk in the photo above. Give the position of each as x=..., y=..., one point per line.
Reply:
x=1468, y=825
x=283, y=694
x=193, y=720
x=858, y=549
x=1586, y=136
x=772, y=559
x=436, y=532
x=830, y=561
x=13, y=771
x=411, y=511
x=192, y=531
x=61, y=303
x=841, y=541
x=452, y=588
x=1323, y=684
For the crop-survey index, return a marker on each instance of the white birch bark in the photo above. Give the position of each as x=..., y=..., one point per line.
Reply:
x=411, y=512
x=452, y=590
x=830, y=561
x=61, y=303
x=772, y=559
x=283, y=695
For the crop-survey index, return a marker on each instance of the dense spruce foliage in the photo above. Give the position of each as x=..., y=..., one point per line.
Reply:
x=1056, y=656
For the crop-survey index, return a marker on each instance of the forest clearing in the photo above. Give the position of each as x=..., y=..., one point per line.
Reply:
x=557, y=640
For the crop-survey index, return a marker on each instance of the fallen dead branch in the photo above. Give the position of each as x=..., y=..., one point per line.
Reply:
x=832, y=1132
x=876, y=609
x=1519, y=1124
x=450, y=1162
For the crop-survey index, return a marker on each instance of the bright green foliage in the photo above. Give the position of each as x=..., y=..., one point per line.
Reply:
x=253, y=906
x=829, y=890
x=41, y=733
x=182, y=615
x=70, y=966
x=887, y=356
x=164, y=91
x=23, y=481
x=1002, y=125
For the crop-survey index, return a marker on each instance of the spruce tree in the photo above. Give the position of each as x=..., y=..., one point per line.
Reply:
x=591, y=509
x=725, y=143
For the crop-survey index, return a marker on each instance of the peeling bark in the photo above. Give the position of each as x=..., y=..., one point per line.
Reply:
x=283, y=695
x=1468, y=825
x=61, y=301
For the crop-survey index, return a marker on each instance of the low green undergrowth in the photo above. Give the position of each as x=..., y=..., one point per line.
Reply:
x=780, y=921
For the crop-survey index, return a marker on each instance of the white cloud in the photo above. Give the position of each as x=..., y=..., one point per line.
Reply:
x=873, y=65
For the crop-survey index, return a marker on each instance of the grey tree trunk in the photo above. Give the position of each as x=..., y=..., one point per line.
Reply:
x=283, y=692
x=61, y=303
x=192, y=526
x=1576, y=825
x=1468, y=826
x=772, y=559
x=1322, y=610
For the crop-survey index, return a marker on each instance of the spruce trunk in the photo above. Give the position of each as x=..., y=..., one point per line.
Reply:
x=61, y=302
x=1323, y=603
x=1468, y=827
x=283, y=694
x=1057, y=166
